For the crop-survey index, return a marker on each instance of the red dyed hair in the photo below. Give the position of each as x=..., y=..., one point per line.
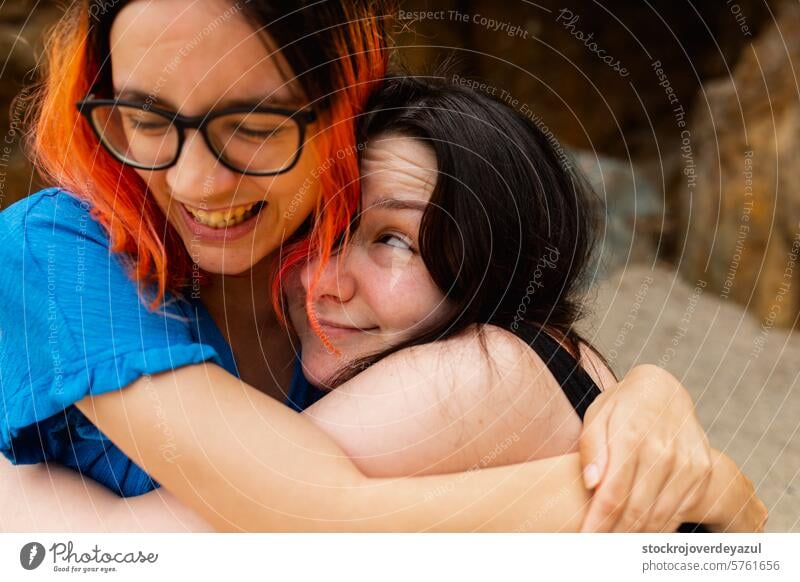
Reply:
x=67, y=153
x=340, y=184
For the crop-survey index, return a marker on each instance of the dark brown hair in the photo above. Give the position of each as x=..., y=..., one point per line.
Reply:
x=511, y=225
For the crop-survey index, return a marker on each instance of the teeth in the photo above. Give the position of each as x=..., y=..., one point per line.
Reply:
x=218, y=219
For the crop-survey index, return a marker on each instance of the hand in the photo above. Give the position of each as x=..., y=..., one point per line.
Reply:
x=731, y=503
x=645, y=454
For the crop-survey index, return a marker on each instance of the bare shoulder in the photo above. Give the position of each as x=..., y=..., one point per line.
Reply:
x=482, y=398
x=485, y=356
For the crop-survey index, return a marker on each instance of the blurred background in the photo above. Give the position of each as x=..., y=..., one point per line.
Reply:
x=686, y=117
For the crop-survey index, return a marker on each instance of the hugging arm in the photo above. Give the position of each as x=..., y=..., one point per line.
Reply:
x=295, y=478
x=243, y=461
x=247, y=462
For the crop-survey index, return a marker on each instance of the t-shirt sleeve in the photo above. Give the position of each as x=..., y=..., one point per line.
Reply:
x=72, y=323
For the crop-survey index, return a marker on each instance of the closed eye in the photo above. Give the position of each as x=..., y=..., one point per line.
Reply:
x=147, y=125
x=259, y=133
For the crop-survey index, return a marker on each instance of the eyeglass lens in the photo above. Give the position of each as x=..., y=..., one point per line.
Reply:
x=252, y=141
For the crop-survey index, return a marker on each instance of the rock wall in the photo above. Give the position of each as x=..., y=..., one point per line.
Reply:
x=22, y=26
x=742, y=218
x=586, y=67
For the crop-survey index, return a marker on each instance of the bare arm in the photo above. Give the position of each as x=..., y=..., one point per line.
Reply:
x=246, y=462
x=139, y=514
x=52, y=498
x=540, y=496
x=46, y=498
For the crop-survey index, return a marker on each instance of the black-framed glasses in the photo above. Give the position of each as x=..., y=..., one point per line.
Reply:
x=257, y=141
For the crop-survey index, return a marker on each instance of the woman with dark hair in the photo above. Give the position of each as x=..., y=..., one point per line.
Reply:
x=187, y=142
x=463, y=278
x=510, y=228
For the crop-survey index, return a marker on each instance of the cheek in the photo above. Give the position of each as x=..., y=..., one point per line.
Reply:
x=299, y=187
x=157, y=186
x=404, y=299
x=295, y=309
x=291, y=197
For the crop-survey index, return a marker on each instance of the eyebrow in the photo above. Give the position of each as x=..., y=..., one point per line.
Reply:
x=398, y=204
x=154, y=99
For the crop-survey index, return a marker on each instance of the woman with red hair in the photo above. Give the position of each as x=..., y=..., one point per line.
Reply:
x=199, y=149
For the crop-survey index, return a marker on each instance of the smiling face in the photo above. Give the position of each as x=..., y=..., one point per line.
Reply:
x=377, y=292
x=192, y=58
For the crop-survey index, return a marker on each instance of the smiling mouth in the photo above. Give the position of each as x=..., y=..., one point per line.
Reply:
x=225, y=218
x=336, y=327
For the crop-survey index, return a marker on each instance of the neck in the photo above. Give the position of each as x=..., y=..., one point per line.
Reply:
x=244, y=296
x=241, y=306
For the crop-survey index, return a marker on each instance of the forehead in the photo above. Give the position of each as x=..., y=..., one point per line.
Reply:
x=397, y=166
x=194, y=54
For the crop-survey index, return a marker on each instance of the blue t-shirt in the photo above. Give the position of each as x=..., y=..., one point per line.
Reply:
x=71, y=324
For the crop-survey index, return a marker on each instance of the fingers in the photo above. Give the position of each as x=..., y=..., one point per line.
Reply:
x=683, y=491
x=691, y=468
x=761, y=515
x=707, y=464
x=612, y=495
x=653, y=472
x=594, y=447
x=645, y=454
x=671, y=526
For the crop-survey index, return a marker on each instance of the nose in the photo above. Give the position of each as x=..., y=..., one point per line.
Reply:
x=198, y=174
x=336, y=281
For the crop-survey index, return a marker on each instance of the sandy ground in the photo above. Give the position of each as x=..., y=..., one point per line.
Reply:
x=742, y=374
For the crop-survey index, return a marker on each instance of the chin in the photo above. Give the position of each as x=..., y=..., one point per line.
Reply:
x=319, y=369
x=219, y=262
